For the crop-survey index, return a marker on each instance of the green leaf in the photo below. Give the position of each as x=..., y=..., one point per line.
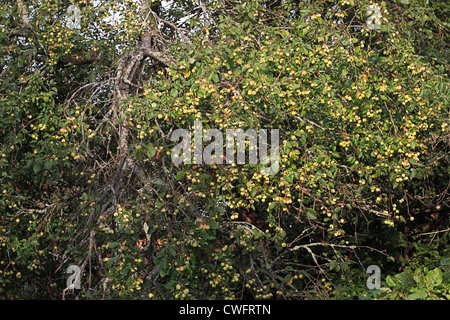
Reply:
x=164, y=267
x=180, y=175
x=390, y=282
x=384, y=28
x=172, y=251
x=201, y=93
x=214, y=225
x=169, y=285
x=434, y=278
x=113, y=245
x=151, y=151
x=91, y=77
x=404, y=278
x=322, y=182
x=289, y=178
x=36, y=167
x=311, y=213
x=48, y=164
x=419, y=278
x=174, y=92
x=287, y=278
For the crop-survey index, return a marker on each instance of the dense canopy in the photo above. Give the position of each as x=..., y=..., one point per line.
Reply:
x=91, y=92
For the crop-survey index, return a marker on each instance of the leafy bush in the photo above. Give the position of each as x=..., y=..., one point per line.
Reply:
x=88, y=179
x=418, y=283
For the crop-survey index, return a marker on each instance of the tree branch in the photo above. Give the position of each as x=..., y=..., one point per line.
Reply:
x=17, y=32
x=148, y=52
x=434, y=232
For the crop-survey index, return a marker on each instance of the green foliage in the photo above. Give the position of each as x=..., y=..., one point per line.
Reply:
x=85, y=154
x=418, y=283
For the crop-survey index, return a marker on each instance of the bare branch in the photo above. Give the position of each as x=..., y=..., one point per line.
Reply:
x=306, y=246
x=179, y=30
x=433, y=232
